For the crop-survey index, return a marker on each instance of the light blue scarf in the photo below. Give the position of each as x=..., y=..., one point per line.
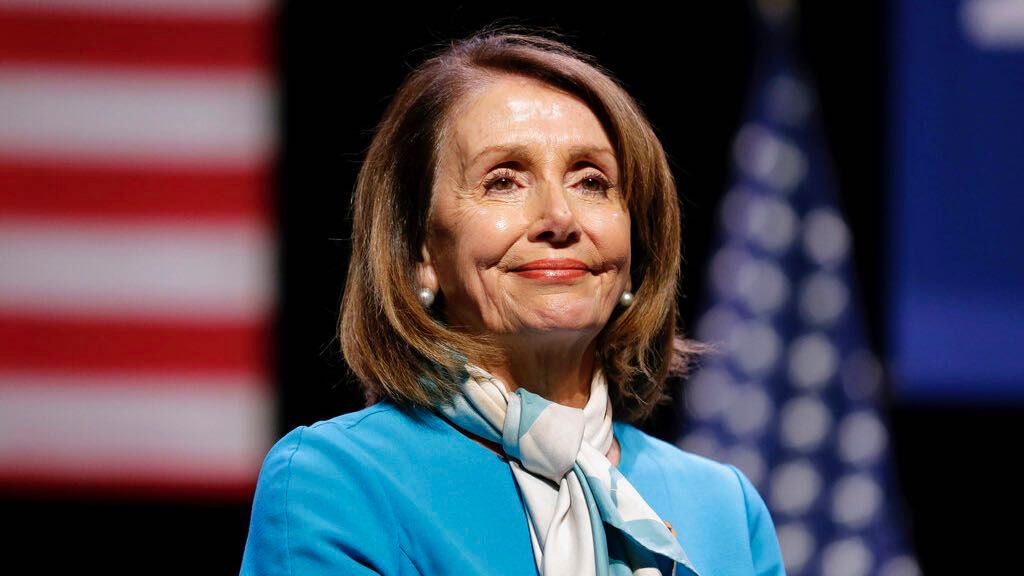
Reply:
x=558, y=458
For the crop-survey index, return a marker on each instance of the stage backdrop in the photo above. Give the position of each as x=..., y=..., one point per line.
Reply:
x=137, y=267
x=956, y=269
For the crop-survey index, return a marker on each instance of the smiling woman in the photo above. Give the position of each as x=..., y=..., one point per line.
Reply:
x=512, y=199
x=527, y=237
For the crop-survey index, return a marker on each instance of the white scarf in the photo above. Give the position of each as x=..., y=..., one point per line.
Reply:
x=558, y=458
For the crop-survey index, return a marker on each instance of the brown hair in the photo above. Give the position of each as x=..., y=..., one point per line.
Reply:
x=398, y=349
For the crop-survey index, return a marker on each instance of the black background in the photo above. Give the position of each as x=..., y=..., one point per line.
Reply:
x=689, y=66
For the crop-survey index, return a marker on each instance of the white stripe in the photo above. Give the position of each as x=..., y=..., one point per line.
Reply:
x=994, y=24
x=138, y=115
x=220, y=270
x=190, y=8
x=80, y=427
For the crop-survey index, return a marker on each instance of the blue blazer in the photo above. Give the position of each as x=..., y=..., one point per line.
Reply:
x=386, y=491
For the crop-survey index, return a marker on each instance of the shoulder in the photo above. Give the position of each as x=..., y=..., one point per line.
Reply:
x=677, y=463
x=336, y=449
x=694, y=470
x=321, y=483
x=352, y=429
x=715, y=499
x=358, y=447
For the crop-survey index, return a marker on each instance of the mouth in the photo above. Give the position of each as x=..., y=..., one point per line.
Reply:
x=552, y=269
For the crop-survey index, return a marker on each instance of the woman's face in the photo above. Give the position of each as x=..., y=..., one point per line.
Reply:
x=528, y=233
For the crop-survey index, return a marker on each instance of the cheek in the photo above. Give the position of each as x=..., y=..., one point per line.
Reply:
x=620, y=223
x=498, y=222
x=485, y=236
x=610, y=231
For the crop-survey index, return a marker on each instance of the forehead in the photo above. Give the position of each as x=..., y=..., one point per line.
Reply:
x=513, y=112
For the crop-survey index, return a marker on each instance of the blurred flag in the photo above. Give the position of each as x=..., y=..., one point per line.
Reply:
x=137, y=246
x=792, y=396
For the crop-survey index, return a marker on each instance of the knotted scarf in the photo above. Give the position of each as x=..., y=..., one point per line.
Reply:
x=584, y=516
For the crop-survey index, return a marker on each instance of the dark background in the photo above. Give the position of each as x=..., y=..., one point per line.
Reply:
x=689, y=67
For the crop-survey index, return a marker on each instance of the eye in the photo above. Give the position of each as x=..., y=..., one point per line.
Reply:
x=597, y=184
x=497, y=181
x=502, y=181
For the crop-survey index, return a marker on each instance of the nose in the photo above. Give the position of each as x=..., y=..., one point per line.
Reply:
x=555, y=218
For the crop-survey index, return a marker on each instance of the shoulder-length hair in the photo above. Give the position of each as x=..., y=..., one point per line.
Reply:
x=402, y=351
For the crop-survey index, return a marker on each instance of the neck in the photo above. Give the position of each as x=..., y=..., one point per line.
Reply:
x=561, y=374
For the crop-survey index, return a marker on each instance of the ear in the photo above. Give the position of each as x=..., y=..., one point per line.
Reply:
x=426, y=276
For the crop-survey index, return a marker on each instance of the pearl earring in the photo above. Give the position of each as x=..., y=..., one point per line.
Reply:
x=426, y=296
x=626, y=299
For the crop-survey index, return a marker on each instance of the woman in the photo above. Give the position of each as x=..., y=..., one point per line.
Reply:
x=512, y=201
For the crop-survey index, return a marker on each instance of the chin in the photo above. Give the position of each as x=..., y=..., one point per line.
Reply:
x=565, y=322
x=561, y=314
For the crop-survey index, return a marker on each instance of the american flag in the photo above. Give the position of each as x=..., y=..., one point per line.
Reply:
x=792, y=395
x=137, y=245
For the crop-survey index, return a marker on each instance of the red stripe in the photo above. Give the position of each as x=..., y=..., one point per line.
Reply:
x=63, y=344
x=118, y=485
x=50, y=37
x=67, y=191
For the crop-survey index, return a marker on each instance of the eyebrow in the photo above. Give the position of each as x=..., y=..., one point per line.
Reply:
x=575, y=152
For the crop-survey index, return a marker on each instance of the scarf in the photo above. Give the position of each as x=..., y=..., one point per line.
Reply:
x=571, y=490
